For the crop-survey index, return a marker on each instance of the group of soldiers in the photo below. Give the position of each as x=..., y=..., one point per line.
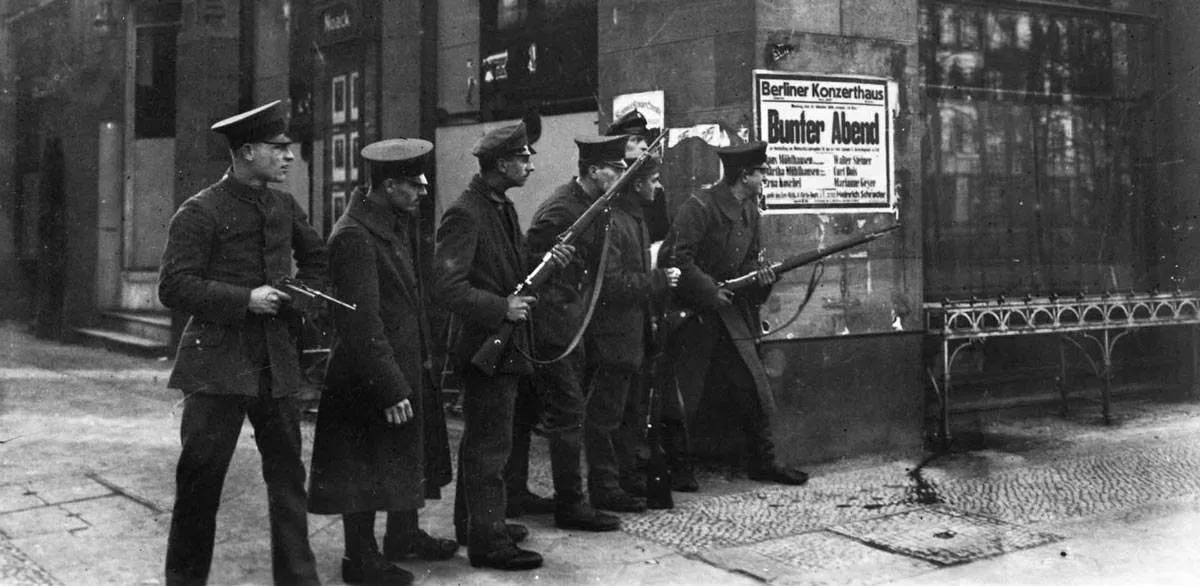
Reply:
x=578, y=351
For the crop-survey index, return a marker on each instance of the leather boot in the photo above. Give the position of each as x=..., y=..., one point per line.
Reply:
x=491, y=547
x=582, y=517
x=764, y=467
x=405, y=539
x=363, y=562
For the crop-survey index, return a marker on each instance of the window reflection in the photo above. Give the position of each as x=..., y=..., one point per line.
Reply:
x=1035, y=122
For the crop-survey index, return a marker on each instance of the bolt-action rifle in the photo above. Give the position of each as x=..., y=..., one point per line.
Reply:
x=488, y=355
x=790, y=263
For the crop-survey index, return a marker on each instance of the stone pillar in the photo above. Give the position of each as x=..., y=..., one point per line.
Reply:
x=207, y=90
x=12, y=302
x=702, y=55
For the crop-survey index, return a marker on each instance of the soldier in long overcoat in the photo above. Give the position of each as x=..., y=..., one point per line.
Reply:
x=381, y=442
x=715, y=236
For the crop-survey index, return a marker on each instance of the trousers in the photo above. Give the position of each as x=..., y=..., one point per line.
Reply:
x=209, y=433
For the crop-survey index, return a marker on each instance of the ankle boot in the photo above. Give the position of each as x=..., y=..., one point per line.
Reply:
x=405, y=539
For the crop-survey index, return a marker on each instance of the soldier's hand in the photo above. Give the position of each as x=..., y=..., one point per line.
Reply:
x=518, y=307
x=724, y=296
x=673, y=276
x=561, y=254
x=766, y=275
x=266, y=300
x=399, y=413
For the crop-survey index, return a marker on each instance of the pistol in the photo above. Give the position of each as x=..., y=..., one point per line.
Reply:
x=301, y=288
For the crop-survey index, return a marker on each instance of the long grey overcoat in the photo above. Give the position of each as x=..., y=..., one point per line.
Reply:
x=715, y=237
x=380, y=357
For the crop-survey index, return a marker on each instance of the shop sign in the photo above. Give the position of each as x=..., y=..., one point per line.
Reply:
x=829, y=142
x=338, y=21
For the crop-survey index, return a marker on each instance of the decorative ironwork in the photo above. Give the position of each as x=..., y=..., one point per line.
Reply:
x=1003, y=317
x=1102, y=319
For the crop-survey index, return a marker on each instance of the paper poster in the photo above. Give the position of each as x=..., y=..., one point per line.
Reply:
x=829, y=142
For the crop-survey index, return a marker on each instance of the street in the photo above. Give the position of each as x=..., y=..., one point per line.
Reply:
x=89, y=438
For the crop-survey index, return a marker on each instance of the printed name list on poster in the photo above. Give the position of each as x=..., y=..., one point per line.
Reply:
x=829, y=142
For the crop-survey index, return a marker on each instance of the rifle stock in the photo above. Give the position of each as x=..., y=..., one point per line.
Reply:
x=487, y=357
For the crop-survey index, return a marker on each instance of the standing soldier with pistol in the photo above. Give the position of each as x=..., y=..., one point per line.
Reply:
x=237, y=356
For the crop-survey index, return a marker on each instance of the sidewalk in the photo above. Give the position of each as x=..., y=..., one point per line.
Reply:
x=90, y=440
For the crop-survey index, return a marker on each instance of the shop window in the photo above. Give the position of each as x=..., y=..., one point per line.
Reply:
x=157, y=31
x=537, y=53
x=1036, y=120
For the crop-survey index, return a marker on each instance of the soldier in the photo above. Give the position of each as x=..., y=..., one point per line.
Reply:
x=381, y=442
x=237, y=356
x=559, y=317
x=715, y=236
x=634, y=125
x=617, y=343
x=672, y=428
x=480, y=258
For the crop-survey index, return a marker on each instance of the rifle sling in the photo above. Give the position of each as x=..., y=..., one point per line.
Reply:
x=587, y=318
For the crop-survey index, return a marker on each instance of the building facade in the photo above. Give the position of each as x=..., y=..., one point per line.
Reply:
x=1038, y=147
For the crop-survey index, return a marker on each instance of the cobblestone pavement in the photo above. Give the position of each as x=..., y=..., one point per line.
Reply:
x=90, y=441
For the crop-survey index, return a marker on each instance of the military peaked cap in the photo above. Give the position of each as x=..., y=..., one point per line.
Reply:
x=399, y=158
x=631, y=122
x=266, y=123
x=648, y=167
x=606, y=150
x=752, y=155
x=515, y=139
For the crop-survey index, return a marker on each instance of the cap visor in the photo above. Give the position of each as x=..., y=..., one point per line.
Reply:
x=280, y=138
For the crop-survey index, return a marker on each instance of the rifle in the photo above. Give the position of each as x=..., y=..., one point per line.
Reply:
x=301, y=288
x=796, y=261
x=677, y=318
x=658, y=470
x=488, y=355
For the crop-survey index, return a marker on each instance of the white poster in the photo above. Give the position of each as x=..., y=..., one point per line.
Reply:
x=650, y=104
x=829, y=142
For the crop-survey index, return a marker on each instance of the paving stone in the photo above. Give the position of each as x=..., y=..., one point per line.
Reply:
x=101, y=560
x=16, y=497
x=818, y=557
x=943, y=535
x=56, y=490
x=118, y=516
x=771, y=513
x=17, y=569
x=40, y=521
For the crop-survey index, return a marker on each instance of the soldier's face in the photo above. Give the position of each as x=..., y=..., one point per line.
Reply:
x=605, y=176
x=754, y=181
x=648, y=188
x=269, y=161
x=635, y=146
x=516, y=169
x=405, y=195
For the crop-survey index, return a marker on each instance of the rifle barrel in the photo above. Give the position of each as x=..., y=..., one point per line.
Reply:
x=804, y=258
